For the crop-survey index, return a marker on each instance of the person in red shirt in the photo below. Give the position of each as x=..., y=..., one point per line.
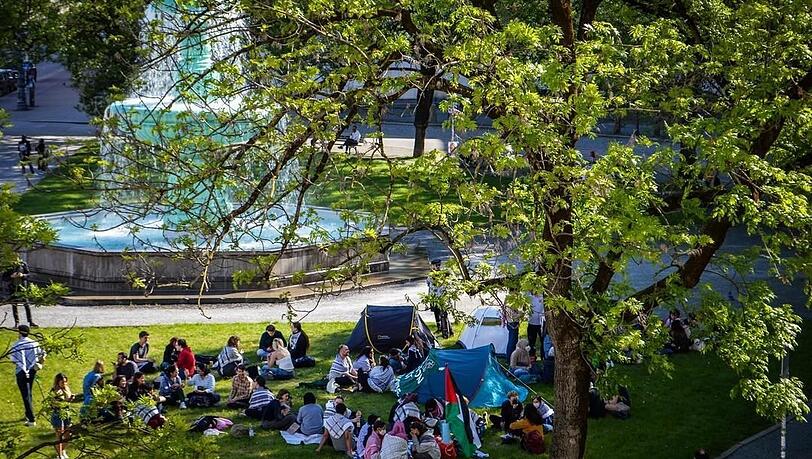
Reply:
x=186, y=360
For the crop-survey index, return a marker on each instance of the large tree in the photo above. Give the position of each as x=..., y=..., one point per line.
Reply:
x=731, y=80
x=101, y=49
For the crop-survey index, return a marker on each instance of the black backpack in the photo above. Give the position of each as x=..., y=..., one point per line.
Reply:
x=203, y=423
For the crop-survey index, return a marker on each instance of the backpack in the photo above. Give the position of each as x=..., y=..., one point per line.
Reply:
x=533, y=442
x=447, y=450
x=304, y=362
x=203, y=423
x=199, y=400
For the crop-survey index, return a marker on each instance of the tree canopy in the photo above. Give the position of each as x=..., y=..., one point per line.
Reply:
x=730, y=80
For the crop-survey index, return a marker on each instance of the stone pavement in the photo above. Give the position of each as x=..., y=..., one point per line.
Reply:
x=54, y=118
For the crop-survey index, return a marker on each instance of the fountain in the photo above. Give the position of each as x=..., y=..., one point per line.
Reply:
x=103, y=250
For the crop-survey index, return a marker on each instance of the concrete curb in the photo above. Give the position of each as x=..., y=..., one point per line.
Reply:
x=730, y=451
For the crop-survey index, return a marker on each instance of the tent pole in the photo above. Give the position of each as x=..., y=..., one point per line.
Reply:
x=525, y=385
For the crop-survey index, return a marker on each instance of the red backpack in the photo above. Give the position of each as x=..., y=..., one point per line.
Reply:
x=447, y=450
x=533, y=442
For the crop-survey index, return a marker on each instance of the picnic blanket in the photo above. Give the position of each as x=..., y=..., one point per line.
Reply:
x=300, y=439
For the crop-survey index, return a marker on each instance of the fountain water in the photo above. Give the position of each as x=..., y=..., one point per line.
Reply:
x=174, y=102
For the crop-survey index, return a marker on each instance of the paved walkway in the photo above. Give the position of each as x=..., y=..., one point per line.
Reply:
x=54, y=119
x=329, y=308
x=767, y=444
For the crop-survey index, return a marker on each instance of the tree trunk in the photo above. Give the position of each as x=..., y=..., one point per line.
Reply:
x=422, y=114
x=572, y=377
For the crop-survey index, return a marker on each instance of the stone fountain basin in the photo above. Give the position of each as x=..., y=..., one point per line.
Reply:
x=93, y=268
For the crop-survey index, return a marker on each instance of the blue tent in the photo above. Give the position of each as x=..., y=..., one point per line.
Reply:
x=476, y=372
x=386, y=327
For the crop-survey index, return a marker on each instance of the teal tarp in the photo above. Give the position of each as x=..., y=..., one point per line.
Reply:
x=476, y=372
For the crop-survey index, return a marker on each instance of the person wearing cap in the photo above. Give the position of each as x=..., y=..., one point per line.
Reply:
x=27, y=357
x=139, y=353
x=435, y=301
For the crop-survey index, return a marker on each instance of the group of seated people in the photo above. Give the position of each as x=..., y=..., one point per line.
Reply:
x=363, y=373
x=527, y=422
x=679, y=333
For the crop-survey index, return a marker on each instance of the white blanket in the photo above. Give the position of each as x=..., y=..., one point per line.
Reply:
x=300, y=439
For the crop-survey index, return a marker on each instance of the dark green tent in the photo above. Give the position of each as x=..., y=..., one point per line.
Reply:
x=386, y=327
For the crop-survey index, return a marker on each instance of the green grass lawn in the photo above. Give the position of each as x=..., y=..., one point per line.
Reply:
x=671, y=417
x=62, y=190
x=364, y=184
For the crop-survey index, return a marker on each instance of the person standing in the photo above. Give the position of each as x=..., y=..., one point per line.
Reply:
x=535, y=324
x=512, y=319
x=24, y=152
x=27, y=356
x=353, y=141
x=61, y=395
x=16, y=278
x=42, y=155
x=435, y=298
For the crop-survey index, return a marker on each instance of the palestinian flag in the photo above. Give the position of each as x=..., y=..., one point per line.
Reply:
x=458, y=417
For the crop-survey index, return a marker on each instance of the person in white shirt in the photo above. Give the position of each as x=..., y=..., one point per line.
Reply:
x=27, y=357
x=203, y=382
x=354, y=140
x=280, y=363
x=535, y=323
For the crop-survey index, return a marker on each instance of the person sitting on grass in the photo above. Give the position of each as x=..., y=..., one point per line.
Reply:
x=394, y=444
x=510, y=412
x=280, y=364
x=171, y=352
x=229, y=358
x=414, y=353
x=365, y=360
x=531, y=430
x=260, y=398
x=396, y=361
x=121, y=385
x=139, y=353
x=94, y=378
x=363, y=434
x=139, y=389
x=381, y=377
x=241, y=386
x=546, y=413
x=520, y=361
x=372, y=444
x=310, y=417
x=266, y=341
x=186, y=360
x=277, y=414
x=338, y=429
x=125, y=367
x=424, y=446
x=203, y=382
x=171, y=387
x=404, y=408
x=342, y=374
x=434, y=409
x=330, y=407
x=298, y=343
